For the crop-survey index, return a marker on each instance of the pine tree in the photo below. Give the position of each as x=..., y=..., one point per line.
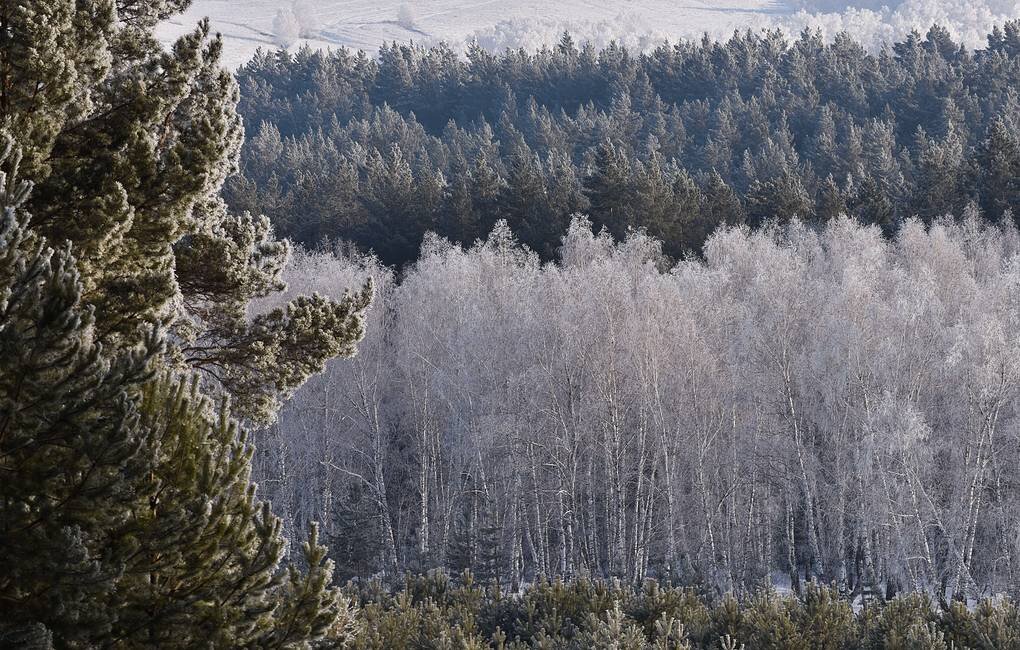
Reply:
x=462, y=553
x=460, y=222
x=356, y=547
x=656, y=207
x=128, y=146
x=871, y=204
x=524, y=198
x=831, y=200
x=205, y=569
x=719, y=147
x=998, y=170
x=689, y=200
x=486, y=189
x=937, y=186
x=389, y=195
x=489, y=558
x=721, y=206
x=128, y=516
x=310, y=609
x=611, y=631
x=565, y=194
x=394, y=82
x=824, y=145
x=782, y=198
x=608, y=188
x=68, y=443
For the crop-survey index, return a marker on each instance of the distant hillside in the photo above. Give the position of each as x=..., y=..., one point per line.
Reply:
x=366, y=24
x=498, y=24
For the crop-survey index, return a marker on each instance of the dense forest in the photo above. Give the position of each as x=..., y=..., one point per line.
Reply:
x=802, y=405
x=776, y=349
x=711, y=346
x=677, y=141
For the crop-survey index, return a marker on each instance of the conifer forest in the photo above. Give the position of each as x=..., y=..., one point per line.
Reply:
x=702, y=344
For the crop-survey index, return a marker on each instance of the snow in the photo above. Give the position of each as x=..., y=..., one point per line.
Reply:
x=497, y=24
x=365, y=24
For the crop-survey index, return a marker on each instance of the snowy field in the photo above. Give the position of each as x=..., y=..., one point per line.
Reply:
x=498, y=24
x=366, y=24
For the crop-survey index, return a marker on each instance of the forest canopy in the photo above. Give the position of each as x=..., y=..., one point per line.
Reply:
x=776, y=347
x=678, y=141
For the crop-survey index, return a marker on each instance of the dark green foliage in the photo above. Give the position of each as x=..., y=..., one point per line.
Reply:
x=607, y=186
x=677, y=140
x=69, y=442
x=783, y=197
x=310, y=608
x=127, y=513
x=826, y=620
x=431, y=612
x=128, y=145
x=728, y=619
x=904, y=623
x=656, y=603
x=355, y=546
x=985, y=627
x=769, y=625
x=998, y=169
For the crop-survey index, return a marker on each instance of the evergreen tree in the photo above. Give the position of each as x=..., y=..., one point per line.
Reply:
x=68, y=443
x=205, y=571
x=393, y=81
x=608, y=188
x=128, y=516
x=565, y=194
x=722, y=205
x=831, y=201
x=462, y=553
x=872, y=205
x=524, y=199
x=486, y=189
x=782, y=197
x=128, y=145
x=460, y=222
x=310, y=609
x=343, y=202
x=655, y=206
x=489, y=558
x=393, y=229
x=477, y=538
x=753, y=109
x=937, y=188
x=722, y=138
x=824, y=146
x=998, y=171
x=356, y=549
x=688, y=199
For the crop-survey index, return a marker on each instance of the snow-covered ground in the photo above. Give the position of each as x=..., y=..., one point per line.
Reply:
x=497, y=24
x=366, y=24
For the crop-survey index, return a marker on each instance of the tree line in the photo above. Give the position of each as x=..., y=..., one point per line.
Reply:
x=679, y=140
x=805, y=403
